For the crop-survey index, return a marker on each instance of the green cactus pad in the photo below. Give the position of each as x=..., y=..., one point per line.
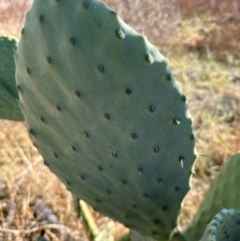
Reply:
x=223, y=227
x=106, y=113
x=135, y=236
x=223, y=192
x=9, y=108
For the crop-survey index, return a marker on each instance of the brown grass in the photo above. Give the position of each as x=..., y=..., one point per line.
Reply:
x=24, y=180
x=192, y=8
x=12, y=16
x=157, y=19
x=219, y=34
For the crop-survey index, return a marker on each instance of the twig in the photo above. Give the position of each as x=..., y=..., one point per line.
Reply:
x=88, y=218
x=33, y=230
x=28, y=168
x=11, y=213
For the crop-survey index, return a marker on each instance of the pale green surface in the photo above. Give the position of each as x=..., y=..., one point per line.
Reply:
x=9, y=108
x=75, y=65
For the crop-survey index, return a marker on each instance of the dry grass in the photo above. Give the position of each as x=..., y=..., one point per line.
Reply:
x=157, y=19
x=218, y=34
x=24, y=180
x=214, y=100
x=206, y=35
x=12, y=16
x=204, y=25
x=192, y=8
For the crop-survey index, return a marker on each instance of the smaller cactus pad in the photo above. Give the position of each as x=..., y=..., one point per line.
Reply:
x=224, y=192
x=9, y=108
x=225, y=226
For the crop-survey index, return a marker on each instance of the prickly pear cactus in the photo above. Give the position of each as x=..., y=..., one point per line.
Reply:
x=223, y=227
x=9, y=108
x=223, y=192
x=106, y=113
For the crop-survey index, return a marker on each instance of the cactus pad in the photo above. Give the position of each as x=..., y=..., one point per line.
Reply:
x=7, y=66
x=106, y=113
x=223, y=227
x=9, y=108
x=223, y=192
